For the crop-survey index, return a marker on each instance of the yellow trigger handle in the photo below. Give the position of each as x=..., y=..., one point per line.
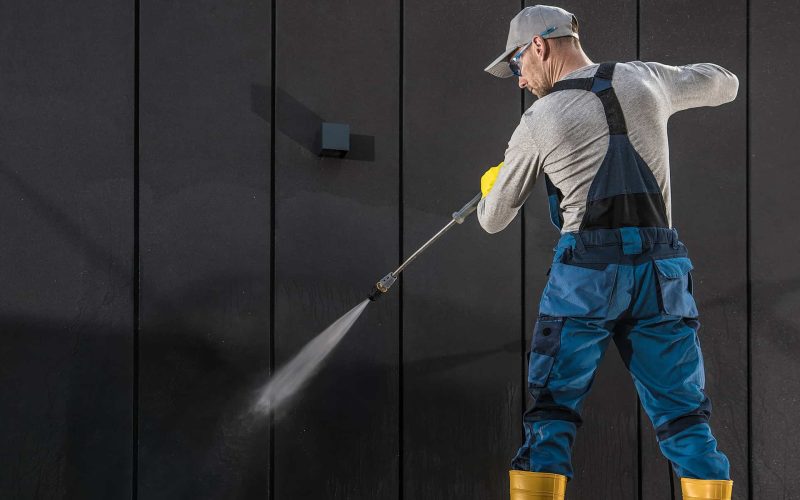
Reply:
x=487, y=180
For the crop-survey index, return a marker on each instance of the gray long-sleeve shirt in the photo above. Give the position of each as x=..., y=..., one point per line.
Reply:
x=565, y=135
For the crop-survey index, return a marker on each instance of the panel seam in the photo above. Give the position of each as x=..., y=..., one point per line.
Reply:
x=748, y=259
x=400, y=373
x=270, y=368
x=136, y=270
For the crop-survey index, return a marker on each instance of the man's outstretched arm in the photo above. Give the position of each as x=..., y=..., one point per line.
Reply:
x=694, y=85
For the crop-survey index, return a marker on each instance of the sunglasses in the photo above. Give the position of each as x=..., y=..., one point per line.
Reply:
x=514, y=62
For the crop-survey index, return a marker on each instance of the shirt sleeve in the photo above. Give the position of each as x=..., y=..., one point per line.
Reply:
x=694, y=85
x=515, y=180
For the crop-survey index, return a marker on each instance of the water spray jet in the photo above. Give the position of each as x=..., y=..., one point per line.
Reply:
x=288, y=380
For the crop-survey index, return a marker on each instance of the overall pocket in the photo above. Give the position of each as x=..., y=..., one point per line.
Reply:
x=545, y=344
x=675, y=288
x=577, y=291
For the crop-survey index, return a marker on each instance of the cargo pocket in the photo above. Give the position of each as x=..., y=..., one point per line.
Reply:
x=578, y=290
x=675, y=288
x=545, y=344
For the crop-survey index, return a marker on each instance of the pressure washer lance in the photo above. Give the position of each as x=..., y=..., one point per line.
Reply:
x=387, y=281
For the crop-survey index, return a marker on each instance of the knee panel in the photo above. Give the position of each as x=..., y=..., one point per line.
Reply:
x=699, y=415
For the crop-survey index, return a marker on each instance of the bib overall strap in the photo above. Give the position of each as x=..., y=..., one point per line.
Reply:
x=601, y=86
x=600, y=82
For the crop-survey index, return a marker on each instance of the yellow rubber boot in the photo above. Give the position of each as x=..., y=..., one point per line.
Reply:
x=706, y=489
x=537, y=485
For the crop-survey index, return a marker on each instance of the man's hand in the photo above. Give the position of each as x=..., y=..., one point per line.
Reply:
x=487, y=180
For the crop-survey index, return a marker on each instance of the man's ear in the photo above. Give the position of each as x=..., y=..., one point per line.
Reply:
x=541, y=47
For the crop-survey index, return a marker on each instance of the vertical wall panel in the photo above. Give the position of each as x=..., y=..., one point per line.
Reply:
x=708, y=170
x=66, y=172
x=774, y=240
x=204, y=199
x=461, y=299
x=336, y=234
x=605, y=451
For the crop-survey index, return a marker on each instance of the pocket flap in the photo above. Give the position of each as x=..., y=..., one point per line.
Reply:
x=674, y=267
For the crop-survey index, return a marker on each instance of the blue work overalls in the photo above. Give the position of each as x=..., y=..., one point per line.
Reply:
x=623, y=274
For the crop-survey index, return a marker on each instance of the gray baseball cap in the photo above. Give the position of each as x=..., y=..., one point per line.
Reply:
x=543, y=20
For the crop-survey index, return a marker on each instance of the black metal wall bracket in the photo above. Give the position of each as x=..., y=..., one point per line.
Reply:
x=334, y=139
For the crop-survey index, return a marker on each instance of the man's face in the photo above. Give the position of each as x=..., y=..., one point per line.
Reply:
x=533, y=75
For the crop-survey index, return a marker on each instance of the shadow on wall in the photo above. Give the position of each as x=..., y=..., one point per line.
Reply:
x=304, y=125
x=69, y=399
x=198, y=380
x=65, y=402
x=194, y=388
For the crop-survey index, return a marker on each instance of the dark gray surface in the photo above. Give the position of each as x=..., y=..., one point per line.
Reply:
x=605, y=453
x=708, y=170
x=336, y=234
x=775, y=271
x=462, y=322
x=468, y=304
x=66, y=186
x=205, y=223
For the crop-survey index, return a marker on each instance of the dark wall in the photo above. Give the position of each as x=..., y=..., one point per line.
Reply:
x=336, y=233
x=461, y=300
x=204, y=243
x=167, y=247
x=66, y=198
x=774, y=273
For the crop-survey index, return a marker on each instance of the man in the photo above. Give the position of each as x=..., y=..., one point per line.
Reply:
x=598, y=134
